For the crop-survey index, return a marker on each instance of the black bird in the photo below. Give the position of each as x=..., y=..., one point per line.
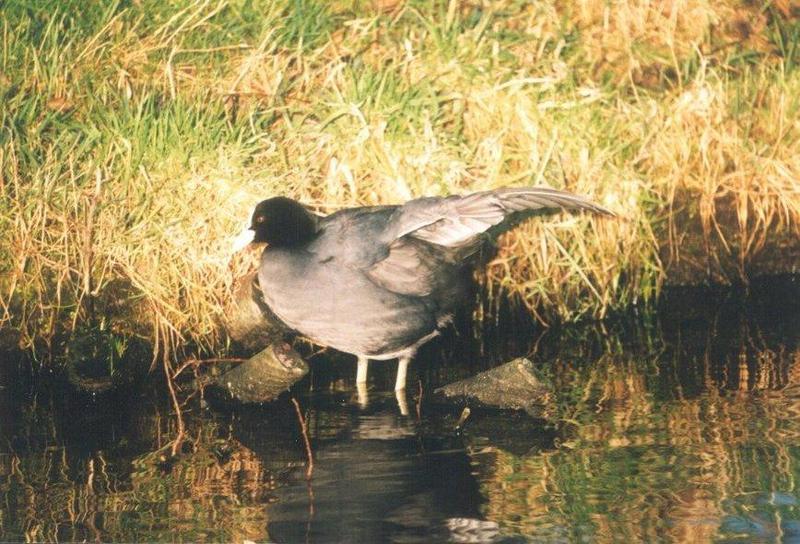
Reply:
x=378, y=282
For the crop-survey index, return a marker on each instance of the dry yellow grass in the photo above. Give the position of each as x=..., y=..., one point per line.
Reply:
x=136, y=141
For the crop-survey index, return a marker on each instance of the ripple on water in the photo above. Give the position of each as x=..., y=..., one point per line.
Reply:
x=685, y=431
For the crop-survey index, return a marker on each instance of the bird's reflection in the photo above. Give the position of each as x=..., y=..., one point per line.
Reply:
x=377, y=476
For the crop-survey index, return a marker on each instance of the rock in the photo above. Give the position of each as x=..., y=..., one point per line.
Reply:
x=512, y=386
x=265, y=375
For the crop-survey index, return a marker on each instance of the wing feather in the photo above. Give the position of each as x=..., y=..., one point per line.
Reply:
x=409, y=268
x=456, y=221
x=412, y=263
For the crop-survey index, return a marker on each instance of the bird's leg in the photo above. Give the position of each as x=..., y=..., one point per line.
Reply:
x=363, y=395
x=402, y=402
x=402, y=369
x=361, y=374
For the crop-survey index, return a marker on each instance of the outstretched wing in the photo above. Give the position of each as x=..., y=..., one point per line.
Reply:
x=457, y=221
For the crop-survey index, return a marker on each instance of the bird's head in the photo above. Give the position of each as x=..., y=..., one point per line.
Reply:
x=282, y=222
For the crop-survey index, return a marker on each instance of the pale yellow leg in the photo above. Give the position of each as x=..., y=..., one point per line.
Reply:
x=363, y=395
x=402, y=402
x=402, y=369
x=363, y=366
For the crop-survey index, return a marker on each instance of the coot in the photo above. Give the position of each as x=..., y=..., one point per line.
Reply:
x=380, y=281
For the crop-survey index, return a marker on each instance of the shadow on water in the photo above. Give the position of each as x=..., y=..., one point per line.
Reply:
x=682, y=426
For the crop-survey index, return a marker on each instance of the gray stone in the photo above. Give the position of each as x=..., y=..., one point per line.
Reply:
x=512, y=386
x=265, y=375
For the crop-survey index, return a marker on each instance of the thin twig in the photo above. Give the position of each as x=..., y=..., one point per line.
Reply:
x=310, y=491
x=176, y=444
x=419, y=402
x=304, y=430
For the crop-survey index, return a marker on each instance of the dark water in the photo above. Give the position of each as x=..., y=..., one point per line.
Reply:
x=680, y=427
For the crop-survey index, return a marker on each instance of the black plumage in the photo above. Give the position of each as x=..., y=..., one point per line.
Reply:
x=378, y=282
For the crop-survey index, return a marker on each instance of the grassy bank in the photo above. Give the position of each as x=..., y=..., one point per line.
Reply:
x=136, y=136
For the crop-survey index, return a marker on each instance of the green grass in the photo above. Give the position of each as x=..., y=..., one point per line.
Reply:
x=135, y=137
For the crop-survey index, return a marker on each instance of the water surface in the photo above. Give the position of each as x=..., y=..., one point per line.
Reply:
x=680, y=427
